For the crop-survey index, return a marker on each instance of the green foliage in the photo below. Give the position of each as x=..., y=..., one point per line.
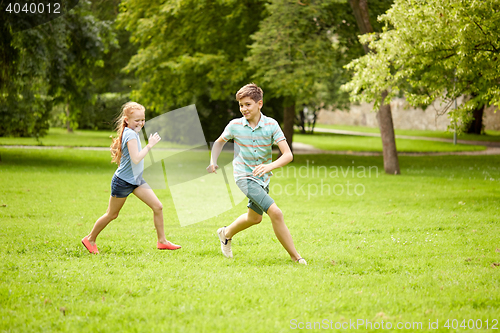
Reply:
x=48, y=65
x=293, y=52
x=24, y=105
x=433, y=49
x=80, y=49
x=345, y=28
x=181, y=55
x=301, y=47
x=102, y=113
x=111, y=78
x=191, y=52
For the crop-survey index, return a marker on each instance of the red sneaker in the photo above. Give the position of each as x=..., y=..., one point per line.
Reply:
x=90, y=247
x=168, y=246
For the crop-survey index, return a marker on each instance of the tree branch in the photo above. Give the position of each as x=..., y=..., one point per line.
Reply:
x=480, y=28
x=487, y=50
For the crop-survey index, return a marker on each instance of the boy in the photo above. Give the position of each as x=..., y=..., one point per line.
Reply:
x=254, y=134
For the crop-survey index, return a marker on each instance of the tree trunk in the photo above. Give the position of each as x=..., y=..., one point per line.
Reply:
x=68, y=123
x=302, y=120
x=288, y=121
x=389, y=151
x=476, y=126
x=360, y=9
x=315, y=117
x=384, y=115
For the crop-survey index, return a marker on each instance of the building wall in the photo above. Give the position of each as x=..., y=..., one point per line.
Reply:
x=491, y=119
x=404, y=117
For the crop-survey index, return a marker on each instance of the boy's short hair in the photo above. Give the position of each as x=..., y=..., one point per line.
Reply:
x=250, y=90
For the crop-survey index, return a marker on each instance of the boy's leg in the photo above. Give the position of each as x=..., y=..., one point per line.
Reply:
x=115, y=204
x=243, y=222
x=282, y=232
x=255, y=193
x=146, y=195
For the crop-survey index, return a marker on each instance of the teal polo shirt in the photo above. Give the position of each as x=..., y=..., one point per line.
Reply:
x=254, y=145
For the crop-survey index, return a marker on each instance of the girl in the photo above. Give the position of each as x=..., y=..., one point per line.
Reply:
x=126, y=151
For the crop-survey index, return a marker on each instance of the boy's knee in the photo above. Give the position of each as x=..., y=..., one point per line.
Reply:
x=255, y=219
x=274, y=211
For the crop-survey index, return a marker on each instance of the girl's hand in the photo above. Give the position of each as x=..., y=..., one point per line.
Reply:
x=262, y=169
x=153, y=139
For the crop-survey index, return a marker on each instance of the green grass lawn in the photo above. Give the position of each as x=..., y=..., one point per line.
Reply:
x=329, y=141
x=61, y=137
x=325, y=141
x=489, y=136
x=413, y=248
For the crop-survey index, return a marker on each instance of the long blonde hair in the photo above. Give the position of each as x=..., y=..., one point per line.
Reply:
x=121, y=122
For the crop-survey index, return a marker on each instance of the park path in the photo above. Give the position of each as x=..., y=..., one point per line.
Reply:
x=492, y=148
x=304, y=149
x=411, y=137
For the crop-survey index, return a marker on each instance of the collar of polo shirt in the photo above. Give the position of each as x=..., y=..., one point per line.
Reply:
x=259, y=124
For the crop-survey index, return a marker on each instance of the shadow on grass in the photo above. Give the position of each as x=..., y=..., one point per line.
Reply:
x=67, y=158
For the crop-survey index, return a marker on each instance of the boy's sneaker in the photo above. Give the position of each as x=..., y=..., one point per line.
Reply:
x=302, y=261
x=225, y=244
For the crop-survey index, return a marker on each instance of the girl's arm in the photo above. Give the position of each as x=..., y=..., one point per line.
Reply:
x=135, y=155
x=285, y=158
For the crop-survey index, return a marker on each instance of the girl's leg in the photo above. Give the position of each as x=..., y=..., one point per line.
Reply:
x=115, y=204
x=242, y=222
x=146, y=195
x=281, y=231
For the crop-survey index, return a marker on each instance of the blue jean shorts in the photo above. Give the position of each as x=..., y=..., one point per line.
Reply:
x=258, y=196
x=121, y=188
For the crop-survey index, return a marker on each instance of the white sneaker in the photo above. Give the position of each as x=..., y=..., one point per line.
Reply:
x=225, y=244
x=302, y=261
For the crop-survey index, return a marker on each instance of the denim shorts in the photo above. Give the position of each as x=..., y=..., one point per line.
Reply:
x=258, y=196
x=121, y=188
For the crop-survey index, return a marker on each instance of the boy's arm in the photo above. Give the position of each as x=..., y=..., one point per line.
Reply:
x=216, y=150
x=135, y=155
x=285, y=158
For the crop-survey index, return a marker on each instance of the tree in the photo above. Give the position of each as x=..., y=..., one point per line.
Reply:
x=24, y=106
x=433, y=49
x=191, y=52
x=476, y=124
x=111, y=86
x=384, y=115
x=79, y=50
x=48, y=64
x=293, y=55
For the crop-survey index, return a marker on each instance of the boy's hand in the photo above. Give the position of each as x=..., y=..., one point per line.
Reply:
x=154, y=139
x=211, y=168
x=262, y=169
